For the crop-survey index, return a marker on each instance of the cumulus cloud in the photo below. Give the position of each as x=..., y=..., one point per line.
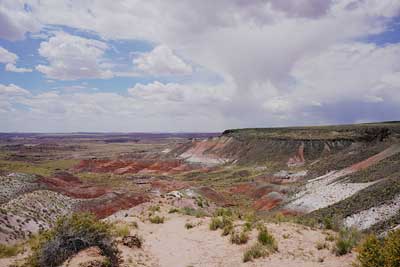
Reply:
x=13, y=68
x=73, y=57
x=7, y=56
x=12, y=90
x=145, y=107
x=16, y=20
x=281, y=62
x=161, y=61
x=10, y=59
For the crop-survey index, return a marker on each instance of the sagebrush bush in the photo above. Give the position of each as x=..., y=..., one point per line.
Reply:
x=254, y=252
x=71, y=235
x=216, y=223
x=120, y=230
x=266, y=239
x=221, y=223
x=370, y=252
x=189, y=225
x=157, y=219
x=9, y=251
x=391, y=251
x=346, y=241
x=239, y=238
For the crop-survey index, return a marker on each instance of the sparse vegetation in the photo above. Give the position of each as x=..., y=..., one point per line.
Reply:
x=239, y=238
x=173, y=210
x=254, y=252
x=154, y=209
x=198, y=213
x=189, y=225
x=322, y=245
x=266, y=239
x=157, y=219
x=9, y=251
x=346, y=241
x=120, y=230
x=385, y=252
x=69, y=236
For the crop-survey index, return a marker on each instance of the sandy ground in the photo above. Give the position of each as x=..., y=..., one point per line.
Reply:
x=171, y=244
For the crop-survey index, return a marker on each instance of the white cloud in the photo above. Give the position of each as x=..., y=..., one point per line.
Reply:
x=13, y=68
x=284, y=62
x=10, y=59
x=16, y=20
x=7, y=56
x=72, y=57
x=161, y=61
x=12, y=90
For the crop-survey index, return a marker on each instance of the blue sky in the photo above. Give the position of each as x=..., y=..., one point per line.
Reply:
x=197, y=66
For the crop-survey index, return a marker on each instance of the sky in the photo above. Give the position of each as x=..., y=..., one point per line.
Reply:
x=196, y=66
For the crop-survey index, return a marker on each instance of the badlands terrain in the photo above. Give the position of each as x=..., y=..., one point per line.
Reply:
x=205, y=199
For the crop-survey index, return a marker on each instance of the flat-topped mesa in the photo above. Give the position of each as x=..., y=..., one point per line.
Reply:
x=292, y=145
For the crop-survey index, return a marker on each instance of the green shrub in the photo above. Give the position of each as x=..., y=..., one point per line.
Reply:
x=154, y=209
x=254, y=252
x=69, y=236
x=228, y=229
x=322, y=245
x=266, y=239
x=189, y=225
x=383, y=253
x=370, y=252
x=173, y=210
x=198, y=213
x=223, y=212
x=391, y=251
x=239, y=238
x=120, y=230
x=216, y=223
x=347, y=240
x=9, y=251
x=156, y=219
x=221, y=223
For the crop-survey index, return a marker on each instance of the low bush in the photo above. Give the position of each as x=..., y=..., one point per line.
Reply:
x=173, y=210
x=198, y=213
x=9, y=251
x=391, y=251
x=156, y=219
x=346, y=241
x=223, y=212
x=254, y=252
x=189, y=225
x=374, y=252
x=120, y=230
x=216, y=223
x=322, y=245
x=71, y=235
x=221, y=223
x=154, y=209
x=370, y=252
x=266, y=239
x=239, y=238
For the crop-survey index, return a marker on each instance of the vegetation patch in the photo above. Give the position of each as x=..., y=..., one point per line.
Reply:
x=374, y=252
x=157, y=219
x=348, y=238
x=266, y=239
x=254, y=252
x=239, y=238
x=71, y=235
x=10, y=251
